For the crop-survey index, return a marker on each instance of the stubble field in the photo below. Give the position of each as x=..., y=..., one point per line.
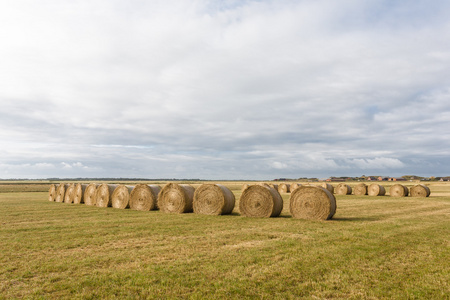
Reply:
x=374, y=247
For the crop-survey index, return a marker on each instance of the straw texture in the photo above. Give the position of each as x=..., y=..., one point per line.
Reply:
x=313, y=203
x=144, y=197
x=420, y=190
x=213, y=199
x=260, y=201
x=376, y=190
x=52, y=193
x=60, y=191
x=176, y=198
x=69, y=194
x=398, y=190
x=293, y=186
x=360, y=189
x=120, y=198
x=79, y=193
x=103, y=195
x=328, y=187
x=284, y=188
x=89, y=194
x=343, y=189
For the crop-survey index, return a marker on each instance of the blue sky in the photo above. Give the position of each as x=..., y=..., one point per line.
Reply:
x=236, y=90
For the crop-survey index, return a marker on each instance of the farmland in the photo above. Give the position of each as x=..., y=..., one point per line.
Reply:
x=374, y=247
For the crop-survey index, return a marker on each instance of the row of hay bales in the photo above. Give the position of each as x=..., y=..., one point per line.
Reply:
x=259, y=200
x=374, y=189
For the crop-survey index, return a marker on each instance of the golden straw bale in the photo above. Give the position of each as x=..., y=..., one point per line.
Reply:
x=144, y=197
x=89, y=194
x=60, y=191
x=398, y=190
x=312, y=202
x=343, y=189
x=360, y=189
x=244, y=186
x=328, y=187
x=120, y=197
x=213, y=199
x=176, y=198
x=293, y=186
x=376, y=190
x=284, y=188
x=420, y=190
x=68, y=196
x=52, y=193
x=103, y=195
x=79, y=193
x=260, y=201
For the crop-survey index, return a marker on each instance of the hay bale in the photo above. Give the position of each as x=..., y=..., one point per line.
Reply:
x=313, y=203
x=89, y=194
x=52, y=193
x=274, y=185
x=213, y=199
x=420, y=190
x=293, y=186
x=60, y=191
x=120, y=198
x=328, y=187
x=398, y=190
x=376, y=190
x=69, y=194
x=79, y=193
x=103, y=195
x=284, y=188
x=260, y=201
x=343, y=189
x=144, y=197
x=176, y=198
x=244, y=186
x=360, y=189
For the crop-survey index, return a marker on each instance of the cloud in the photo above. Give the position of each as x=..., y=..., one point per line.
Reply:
x=231, y=89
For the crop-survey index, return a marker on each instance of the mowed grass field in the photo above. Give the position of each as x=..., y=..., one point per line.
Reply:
x=373, y=248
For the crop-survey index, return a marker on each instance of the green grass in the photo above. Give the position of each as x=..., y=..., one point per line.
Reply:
x=375, y=247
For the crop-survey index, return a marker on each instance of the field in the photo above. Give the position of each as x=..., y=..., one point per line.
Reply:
x=373, y=248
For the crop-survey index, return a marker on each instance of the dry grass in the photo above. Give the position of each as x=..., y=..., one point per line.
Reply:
x=374, y=247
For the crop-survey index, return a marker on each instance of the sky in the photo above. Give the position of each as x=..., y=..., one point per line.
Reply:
x=228, y=89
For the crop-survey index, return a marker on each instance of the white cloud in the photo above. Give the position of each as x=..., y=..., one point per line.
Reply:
x=296, y=87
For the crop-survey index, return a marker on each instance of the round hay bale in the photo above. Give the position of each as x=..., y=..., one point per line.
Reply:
x=68, y=196
x=176, y=198
x=89, y=194
x=274, y=185
x=260, y=201
x=60, y=191
x=312, y=203
x=343, y=189
x=376, y=190
x=398, y=190
x=52, y=193
x=328, y=187
x=284, y=188
x=213, y=199
x=144, y=197
x=293, y=186
x=120, y=198
x=103, y=195
x=79, y=193
x=420, y=190
x=244, y=186
x=264, y=184
x=360, y=189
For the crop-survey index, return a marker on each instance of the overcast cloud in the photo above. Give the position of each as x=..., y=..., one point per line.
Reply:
x=224, y=89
